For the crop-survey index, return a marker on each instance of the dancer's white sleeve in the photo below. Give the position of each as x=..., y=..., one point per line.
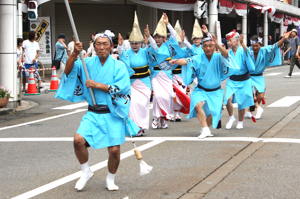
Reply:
x=152, y=43
x=187, y=43
x=172, y=31
x=120, y=49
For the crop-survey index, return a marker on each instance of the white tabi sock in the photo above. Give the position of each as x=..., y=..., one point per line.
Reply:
x=86, y=175
x=205, y=132
x=240, y=125
x=110, y=182
x=230, y=122
x=259, y=111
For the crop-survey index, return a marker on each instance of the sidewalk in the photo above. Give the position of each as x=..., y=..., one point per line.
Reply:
x=26, y=104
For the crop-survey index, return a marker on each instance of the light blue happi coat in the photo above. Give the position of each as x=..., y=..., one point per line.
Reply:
x=210, y=75
x=194, y=50
x=136, y=60
x=176, y=52
x=242, y=90
x=267, y=56
x=101, y=130
x=158, y=56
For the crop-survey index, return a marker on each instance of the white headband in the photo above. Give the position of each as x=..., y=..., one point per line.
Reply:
x=254, y=42
x=206, y=39
x=107, y=34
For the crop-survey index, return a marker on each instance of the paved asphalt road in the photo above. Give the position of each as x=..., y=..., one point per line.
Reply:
x=260, y=161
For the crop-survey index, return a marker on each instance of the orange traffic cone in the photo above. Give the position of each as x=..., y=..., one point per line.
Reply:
x=31, y=90
x=54, y=80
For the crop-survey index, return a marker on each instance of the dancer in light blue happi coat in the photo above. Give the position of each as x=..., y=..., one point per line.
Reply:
x=180, y=101
x=104, y=124
x=238, y=87
x=263, y=56
x=197, y=35
x=210, y=68
x=159, y=56
x=136, y=60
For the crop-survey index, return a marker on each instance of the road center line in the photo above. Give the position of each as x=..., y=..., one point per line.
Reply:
x=44, y=119
x=76, y=175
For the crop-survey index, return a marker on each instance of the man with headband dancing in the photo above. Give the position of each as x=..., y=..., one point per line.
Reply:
x=238, y=87
x=210, y=68
x=103, y=125
x=262, y=57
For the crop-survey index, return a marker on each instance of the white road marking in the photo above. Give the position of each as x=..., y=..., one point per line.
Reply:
x=162, y=139
x=44, y=119
x=273, y=74
x=296, y=73
x=268, y=69
x=72, y=106
x=285, y=102
x=76, y=175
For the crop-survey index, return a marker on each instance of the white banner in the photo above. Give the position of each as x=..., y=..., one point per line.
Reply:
x=42, y=27
x=218, y=31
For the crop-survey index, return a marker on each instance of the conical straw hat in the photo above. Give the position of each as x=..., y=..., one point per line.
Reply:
x=136, y=35
x=197, y=32
x=178, y=31
x=161, y=28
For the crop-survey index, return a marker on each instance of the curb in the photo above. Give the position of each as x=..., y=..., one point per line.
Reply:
x=28, y=104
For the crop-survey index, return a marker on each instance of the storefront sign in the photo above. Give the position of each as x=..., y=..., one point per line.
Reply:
x=42, y=27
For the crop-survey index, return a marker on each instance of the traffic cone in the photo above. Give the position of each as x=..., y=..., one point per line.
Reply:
x=31, y=90
x=54, y=81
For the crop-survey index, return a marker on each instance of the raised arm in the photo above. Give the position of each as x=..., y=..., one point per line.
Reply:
x=243, y=43
x=73, y=57
x=171, y=29
x=185, y=41
x=151, y=40
x=120, y=44
x=285, y=37
x=223, y=50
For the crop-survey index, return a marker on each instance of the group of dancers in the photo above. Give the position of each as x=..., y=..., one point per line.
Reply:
x=122, y=89
x=204, y=64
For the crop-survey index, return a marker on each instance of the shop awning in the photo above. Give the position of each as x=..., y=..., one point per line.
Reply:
x=271, y=11
x=226, y=7
x=175, y=5
x=291, y=20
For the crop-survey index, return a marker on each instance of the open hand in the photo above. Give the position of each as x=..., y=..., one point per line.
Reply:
x=242, y=38
x=145, y=39
x=213, y=39
x=204, y=29
x=147, y=33
x=165, y=19
x=120, y=40
x=286, y=35
x=182, y=35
